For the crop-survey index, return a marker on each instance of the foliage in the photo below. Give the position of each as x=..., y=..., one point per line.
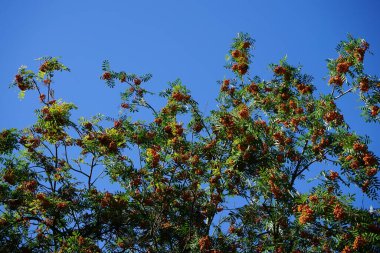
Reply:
x=177, y=173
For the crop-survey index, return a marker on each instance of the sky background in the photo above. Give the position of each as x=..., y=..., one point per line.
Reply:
x=174, y=39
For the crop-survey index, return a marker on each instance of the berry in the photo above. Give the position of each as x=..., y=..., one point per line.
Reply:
x=235, y=54
x=61, y=205
x=107, y=75
x=197, y=127
x=19, y=78
x=363, y=85
x=117, y=123
x=338, y=212
x=313, y=198
x=137, y=81
x=359, y=54
x=22, y=86
x=253, y=88
x=336, y=80
x=42, y=97
x=125, y=105
x=374, y=110
x=9, y=177
x=333, y=175
x=244, y=112
x=242, y=68
x=371, y=172
x=158, y=121
x=306, y=214
x=198, y=172
x=44, y=67
x=358, y=243
x=279, y=70
x=342, y=67
x=246, y=45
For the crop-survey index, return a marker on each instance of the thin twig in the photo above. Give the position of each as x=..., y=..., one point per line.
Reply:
x=344, y=93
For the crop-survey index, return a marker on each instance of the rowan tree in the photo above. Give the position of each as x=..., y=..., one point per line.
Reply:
x=177, y=173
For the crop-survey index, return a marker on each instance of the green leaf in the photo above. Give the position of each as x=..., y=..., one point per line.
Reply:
x=21, y=95
x=41, y=74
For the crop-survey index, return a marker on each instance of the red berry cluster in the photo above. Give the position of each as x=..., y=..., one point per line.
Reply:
x=154, y=156
x=375, y=110
x=333, y=175
x=304, y=89
x=137, y=81
x=197, y=127
x=279, y=70
x=30, y=186
x=244, y=112
x=106, y=141
x=241, y=58
x=364, y=85
x=21, y=83
x=225, y=85
x=107, y=76
x=253, y=88
x=178, y=96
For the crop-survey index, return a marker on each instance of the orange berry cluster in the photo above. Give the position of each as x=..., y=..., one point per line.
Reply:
x=338, y=80
x=274, y=188
x=333, y=116
x=364, y=155
x=342, y=67
x=204, y=243
x=338, y=212
x=106, y=200
x=358, y=242
x=360, y=51
x=307, y=214
x=30, y=186
x=313, y=198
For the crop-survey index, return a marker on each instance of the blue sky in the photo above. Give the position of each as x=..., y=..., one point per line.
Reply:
x=174, y=39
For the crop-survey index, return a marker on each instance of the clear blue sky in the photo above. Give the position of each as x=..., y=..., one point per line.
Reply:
x=174, y=39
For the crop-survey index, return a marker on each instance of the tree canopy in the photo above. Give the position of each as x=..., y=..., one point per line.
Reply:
x=177, y=173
